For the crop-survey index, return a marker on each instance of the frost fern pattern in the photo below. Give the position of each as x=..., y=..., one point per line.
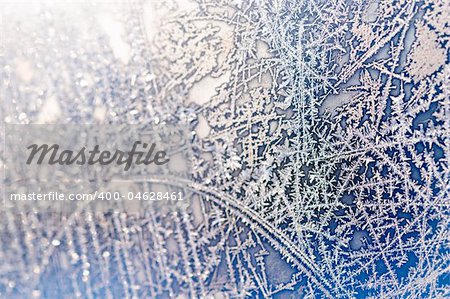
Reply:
x=321, y=144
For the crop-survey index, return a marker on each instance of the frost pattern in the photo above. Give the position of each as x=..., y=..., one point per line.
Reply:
x=321, y=136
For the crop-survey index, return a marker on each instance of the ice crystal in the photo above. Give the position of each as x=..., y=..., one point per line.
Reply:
x=320, y=135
